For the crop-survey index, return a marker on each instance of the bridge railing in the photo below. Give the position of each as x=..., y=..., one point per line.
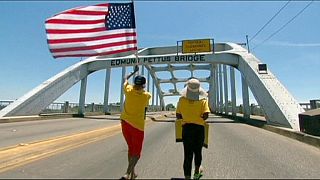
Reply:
x=254, y=110
x=5, y=103
x=73, y=108
x=66, y=107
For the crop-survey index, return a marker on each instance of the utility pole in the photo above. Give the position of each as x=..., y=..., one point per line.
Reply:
x=248, y=44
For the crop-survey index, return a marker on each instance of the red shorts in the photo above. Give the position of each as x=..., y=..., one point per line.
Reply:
x=134, y=138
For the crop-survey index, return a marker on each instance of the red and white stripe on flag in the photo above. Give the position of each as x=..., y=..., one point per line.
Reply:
x=92, y=31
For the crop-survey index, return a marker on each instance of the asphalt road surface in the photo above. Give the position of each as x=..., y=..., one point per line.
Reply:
x=235, y=150
x=16, y=133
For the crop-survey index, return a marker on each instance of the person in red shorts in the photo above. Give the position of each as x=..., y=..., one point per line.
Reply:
x=133, y=120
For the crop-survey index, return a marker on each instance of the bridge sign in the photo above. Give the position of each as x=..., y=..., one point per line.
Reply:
x=196, y=46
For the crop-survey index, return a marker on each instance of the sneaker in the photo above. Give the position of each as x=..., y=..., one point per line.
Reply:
x=126, y=176
x=133, y=176
x=198, y=175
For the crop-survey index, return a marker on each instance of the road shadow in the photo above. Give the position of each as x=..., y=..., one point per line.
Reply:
x=108, y=118
x=226, y=121
x=208, y=121
x=256, y=123
x=103, y=118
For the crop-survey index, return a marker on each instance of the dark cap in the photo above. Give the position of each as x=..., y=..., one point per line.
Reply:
x=139, y=80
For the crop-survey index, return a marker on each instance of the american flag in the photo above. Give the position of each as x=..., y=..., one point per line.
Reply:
x=96, y=30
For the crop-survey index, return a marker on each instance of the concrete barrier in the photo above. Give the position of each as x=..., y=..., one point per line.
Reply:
x=258, y=122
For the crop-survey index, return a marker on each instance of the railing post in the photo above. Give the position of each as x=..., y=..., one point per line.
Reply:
x=225, y=85
x=245, y=98
x=233, y=91
x=106, y=92
x=121, y=90
x=220, y=89
x=212, y=95
x=92, y=107
x=82, y=98
x=216, y=89
x=153, y=96
x=66, y=107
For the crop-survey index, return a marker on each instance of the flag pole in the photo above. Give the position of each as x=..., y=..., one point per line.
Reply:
x=136, y=51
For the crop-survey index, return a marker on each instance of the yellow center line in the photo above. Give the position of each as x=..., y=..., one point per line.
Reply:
x=10, y=158
x=19, y=155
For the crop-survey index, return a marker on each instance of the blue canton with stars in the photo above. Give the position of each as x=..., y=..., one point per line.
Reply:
x=120, y=16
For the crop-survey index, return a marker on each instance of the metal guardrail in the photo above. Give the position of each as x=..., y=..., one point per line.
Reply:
x=66, y=107
x=4, y=103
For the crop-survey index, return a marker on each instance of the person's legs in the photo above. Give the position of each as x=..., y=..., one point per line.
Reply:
x=187, y=162
x=187, y=147
x=198, y=144
x=132, y=163
x=127, y=134
x=135, y=144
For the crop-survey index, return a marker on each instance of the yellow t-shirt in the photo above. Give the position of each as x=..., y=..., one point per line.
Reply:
x=192, y=111
x=134, y=106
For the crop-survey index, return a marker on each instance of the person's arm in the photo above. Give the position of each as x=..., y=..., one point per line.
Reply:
x=125, y=81
x=206, y=110
x=136, y=69
x=127, y=77
x=205, y=116
x=178, y=116
x=145, y=112
x=178, y=112
x=126, y=84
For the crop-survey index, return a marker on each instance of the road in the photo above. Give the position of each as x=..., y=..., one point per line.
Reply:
x=235, y=150
x=29, y=131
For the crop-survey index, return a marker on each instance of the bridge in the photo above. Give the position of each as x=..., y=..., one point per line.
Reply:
x=279, y=105
x=79, y=149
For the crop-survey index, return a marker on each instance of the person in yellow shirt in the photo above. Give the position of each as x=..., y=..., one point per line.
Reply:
x=133, y=120
x=193, y=109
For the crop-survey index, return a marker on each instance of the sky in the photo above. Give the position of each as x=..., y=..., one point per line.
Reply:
x=292, y=54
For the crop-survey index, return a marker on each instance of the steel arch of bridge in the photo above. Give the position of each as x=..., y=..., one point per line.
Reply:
x=278, y=104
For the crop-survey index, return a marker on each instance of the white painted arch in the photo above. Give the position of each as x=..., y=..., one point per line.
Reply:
x=279, y=105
